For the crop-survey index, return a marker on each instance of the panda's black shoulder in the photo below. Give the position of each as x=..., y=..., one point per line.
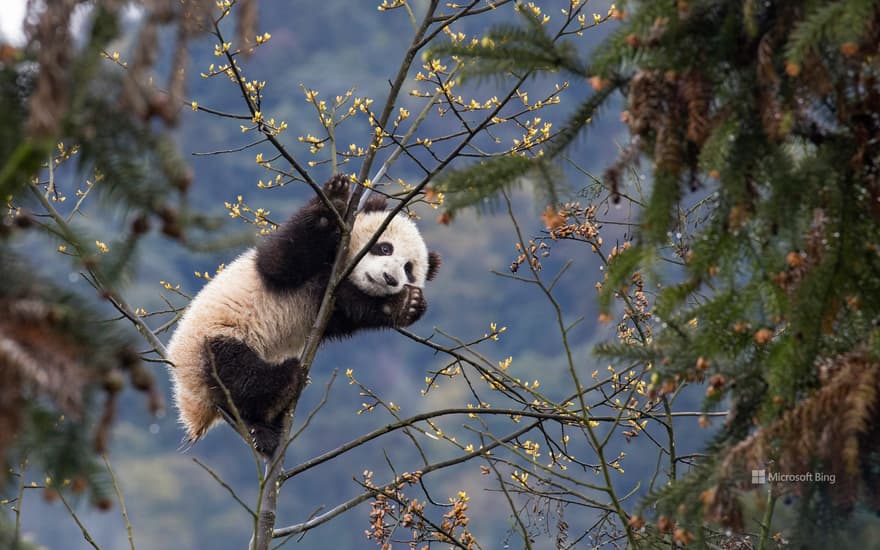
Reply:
x=299, y=249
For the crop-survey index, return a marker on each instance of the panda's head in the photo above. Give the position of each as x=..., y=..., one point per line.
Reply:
x=398, y=258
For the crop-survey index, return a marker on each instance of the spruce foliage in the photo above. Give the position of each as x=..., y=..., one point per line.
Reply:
x=771, y=109
x=62, y=364
x=518, y=51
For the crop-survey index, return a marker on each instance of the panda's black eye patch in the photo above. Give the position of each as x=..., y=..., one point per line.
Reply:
x=408, y=269
x=382, y=249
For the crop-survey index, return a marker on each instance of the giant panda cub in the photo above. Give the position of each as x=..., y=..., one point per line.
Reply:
x=242, y=336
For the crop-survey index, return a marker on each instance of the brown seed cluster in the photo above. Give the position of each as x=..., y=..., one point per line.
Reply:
x=48, y=27
x=572, y=221
x=798, y=263
x=391, y=509
x=531, y=255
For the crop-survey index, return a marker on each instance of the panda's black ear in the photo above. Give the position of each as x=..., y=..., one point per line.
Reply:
x=375, y=203
x=434, y=262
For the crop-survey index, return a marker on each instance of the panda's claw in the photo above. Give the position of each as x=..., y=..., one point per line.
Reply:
x=265, y=438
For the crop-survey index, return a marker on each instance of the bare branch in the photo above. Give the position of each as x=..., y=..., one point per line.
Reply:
x=226, y=486
x=85, y=532
x=121, y=500
x=118, y=302
x=348, y=505
x=311, y=463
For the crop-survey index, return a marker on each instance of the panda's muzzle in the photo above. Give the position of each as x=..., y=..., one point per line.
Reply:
x=390, y=280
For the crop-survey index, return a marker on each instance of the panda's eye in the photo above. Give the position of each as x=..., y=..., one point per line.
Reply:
x=382, y=249
x=408, y=269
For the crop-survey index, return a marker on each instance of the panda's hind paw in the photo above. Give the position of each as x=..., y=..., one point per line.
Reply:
x=265, y=438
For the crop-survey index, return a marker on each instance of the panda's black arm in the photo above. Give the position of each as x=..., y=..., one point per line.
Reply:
x=305, y=244
x=357, y=310
x=259, y=391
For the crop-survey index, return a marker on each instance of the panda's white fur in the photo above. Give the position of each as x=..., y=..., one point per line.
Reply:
x=235, y=304
x=239, y=305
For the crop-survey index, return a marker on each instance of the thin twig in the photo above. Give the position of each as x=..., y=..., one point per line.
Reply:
x=85, y=532
x=318, y=407
x=121, y=502
x=17, y=508
x=118, y=302
x=234, y=150
x=342, y=449
x=767, y=520
x=226, y=486
x=524, y=533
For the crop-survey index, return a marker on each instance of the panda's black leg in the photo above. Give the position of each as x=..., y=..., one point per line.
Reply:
x=246, y=387
x=265, y=435
x=306, y=243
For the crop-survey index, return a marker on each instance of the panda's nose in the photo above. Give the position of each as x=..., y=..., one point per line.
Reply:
x=389, y=279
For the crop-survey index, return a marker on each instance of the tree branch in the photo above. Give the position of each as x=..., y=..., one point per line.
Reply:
x=348, y=505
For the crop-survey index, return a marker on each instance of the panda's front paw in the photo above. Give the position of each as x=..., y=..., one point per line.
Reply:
x=412, y=307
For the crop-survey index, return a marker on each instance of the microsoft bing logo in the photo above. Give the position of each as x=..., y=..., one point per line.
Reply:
x=759, y=477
